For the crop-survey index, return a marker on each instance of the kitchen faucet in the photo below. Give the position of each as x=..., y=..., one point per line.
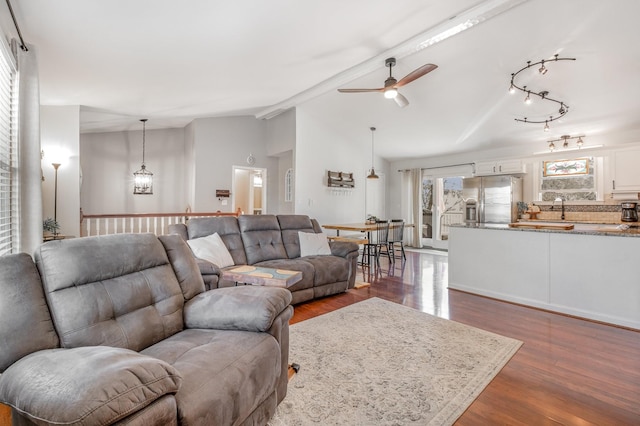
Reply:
x=561, y=201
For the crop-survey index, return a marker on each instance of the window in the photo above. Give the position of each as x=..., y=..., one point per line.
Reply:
x=571, y=180
x=8, y=152
x=288, y=186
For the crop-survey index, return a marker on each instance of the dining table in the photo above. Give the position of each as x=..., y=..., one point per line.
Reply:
x=364, y=227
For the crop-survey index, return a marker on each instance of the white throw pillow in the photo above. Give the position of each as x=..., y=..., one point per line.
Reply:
x=212, y=249
x=313, y=244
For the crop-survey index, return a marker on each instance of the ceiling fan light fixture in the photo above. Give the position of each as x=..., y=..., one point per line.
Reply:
x=390, y=93
x=391, y=85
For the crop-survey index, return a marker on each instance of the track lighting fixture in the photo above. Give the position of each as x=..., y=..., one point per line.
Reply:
x=543, y=94
x=565, y=142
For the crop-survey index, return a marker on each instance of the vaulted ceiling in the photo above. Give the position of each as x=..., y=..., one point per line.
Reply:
x=175, y=61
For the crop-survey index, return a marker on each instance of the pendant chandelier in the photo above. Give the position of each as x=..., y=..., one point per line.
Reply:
x=372, y=174
x=143, y=178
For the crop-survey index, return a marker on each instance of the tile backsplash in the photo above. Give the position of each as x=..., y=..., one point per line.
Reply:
x=609, y=212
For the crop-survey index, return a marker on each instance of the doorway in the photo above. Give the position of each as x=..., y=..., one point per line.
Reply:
x=442, y=206
x=249, y=190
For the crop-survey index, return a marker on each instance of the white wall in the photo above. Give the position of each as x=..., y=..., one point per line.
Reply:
x=59, y=140
x=320, y=147
x=110, y=159
x=221, y=143
x=281, y=133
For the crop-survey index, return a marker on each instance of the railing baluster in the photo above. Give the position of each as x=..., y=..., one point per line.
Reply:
x=159, y=223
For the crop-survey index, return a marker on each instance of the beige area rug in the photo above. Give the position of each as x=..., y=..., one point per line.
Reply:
x=381, y=363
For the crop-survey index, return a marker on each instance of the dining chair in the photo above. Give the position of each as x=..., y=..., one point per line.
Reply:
x=396, y=236
x=378, y=239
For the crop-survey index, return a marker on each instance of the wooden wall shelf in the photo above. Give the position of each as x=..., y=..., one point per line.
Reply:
x=340, y=179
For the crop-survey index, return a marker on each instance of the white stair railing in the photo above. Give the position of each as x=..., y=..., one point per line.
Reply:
x=155, y=223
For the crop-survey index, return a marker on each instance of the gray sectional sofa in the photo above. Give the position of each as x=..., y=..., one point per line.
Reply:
x=272, y=241
x=119, y=329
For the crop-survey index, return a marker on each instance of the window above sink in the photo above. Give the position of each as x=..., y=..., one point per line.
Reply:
x=572, y=180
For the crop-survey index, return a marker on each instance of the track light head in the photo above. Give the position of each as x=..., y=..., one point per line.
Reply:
x=542, y=70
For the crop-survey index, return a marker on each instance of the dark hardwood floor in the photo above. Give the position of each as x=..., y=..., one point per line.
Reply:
x=568, y=372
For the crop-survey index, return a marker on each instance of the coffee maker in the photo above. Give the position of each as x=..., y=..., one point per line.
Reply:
x=629, y=212
x=470, y=211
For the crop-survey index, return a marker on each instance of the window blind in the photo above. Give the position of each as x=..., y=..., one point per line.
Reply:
x=8, y=152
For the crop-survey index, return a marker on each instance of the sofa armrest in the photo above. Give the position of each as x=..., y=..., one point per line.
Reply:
x=343, y=248
x=248, y=308
x=208, y=268
x=85, y=385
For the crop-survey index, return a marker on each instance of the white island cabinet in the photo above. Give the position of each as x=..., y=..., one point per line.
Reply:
x=587, y=275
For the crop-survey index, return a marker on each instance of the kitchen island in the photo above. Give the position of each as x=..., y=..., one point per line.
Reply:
x=589, y=271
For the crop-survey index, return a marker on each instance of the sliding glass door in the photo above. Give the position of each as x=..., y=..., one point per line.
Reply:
x=442, y=206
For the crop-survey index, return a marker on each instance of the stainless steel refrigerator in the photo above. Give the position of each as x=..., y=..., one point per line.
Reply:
x=496, y=197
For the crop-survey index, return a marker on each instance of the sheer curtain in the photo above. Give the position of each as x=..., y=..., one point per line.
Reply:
x=29, y=168
x=412, y=204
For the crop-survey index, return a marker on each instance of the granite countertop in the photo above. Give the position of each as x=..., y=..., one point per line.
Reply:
x=581, y=228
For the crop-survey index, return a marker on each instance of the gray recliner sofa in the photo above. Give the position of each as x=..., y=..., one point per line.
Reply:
x=119, y=329
x=272, y=241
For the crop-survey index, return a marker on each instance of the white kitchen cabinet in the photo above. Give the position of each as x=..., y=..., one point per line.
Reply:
x=626, y=174
x=588, y=276
x=503, y=167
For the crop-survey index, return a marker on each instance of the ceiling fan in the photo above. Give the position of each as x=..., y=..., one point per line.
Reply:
x=391, y=85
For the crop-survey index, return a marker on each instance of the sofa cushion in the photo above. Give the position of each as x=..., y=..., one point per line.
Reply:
x=112, y=290
x=237, y=308
x=212, y=249
x=184, y=265
x=26, y=326
x=93, y=385
x=261, y=238
x=226, y=227
x=226, y=374
x=328, y=269
x=312, y=244
x=290, y=225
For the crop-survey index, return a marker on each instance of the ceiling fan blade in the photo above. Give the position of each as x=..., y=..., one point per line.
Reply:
x=401, y=100
x=360, y=90
x=415, y=74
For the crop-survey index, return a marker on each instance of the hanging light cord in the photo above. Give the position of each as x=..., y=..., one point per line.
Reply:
x=373, y=129
x=23, y=45
x=144, y=128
